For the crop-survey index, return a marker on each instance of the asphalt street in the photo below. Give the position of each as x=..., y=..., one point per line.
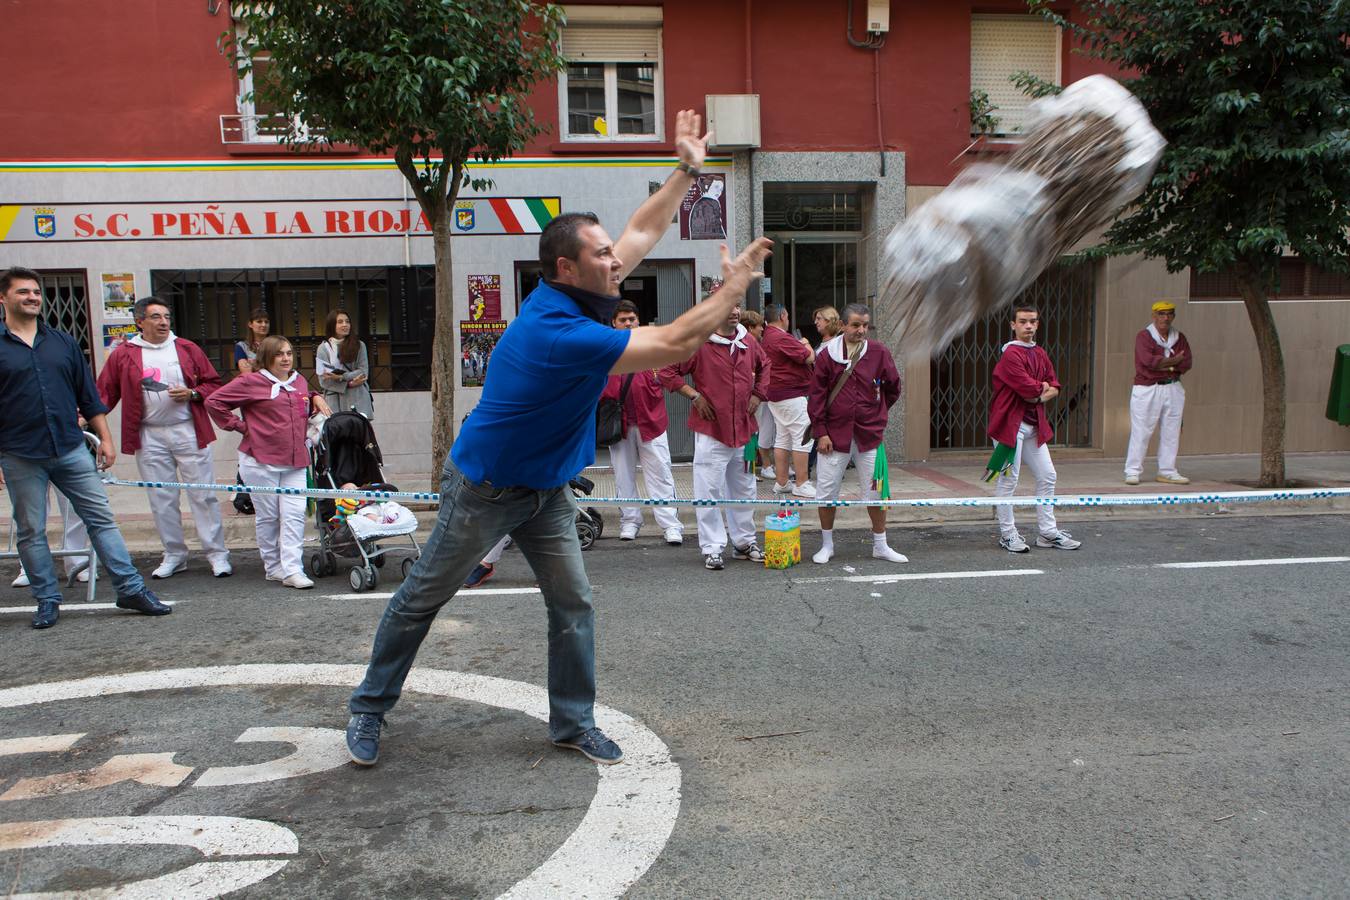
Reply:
x=1088, y=723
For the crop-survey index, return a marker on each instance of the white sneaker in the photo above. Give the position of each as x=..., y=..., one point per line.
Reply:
x=628, y=532
x=83, y=577
x=1014, y=544
x=21, y=580
x=886, y=553
x=1131, y=479
x=805, y=489
x=767, y=474
x=272, y=576
x=1173, y=479
x=823, y=555
x=674, y=536
x=168, y=568
x=299, y=581
x=783, y=488
x=1060, y=540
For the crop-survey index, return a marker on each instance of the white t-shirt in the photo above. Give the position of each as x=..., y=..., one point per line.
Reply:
x=160, y=370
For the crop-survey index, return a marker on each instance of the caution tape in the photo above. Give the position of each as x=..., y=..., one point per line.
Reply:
x=1089, y=500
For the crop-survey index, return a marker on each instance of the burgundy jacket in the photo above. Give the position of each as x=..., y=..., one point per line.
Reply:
x=273, y=427
x=121, y=380
x=789, y=366
x=645, y=406
x=728, y=381
x=1147, y=355
x=862, y=407
x=1017, y=385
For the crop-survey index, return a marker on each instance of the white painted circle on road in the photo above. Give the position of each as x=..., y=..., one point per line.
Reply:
x=627, y=825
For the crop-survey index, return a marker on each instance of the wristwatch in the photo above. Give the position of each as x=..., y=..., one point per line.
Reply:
x=194, y=396
x=683, y=166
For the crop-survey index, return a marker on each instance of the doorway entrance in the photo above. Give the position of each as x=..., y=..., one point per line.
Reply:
x=817, y=231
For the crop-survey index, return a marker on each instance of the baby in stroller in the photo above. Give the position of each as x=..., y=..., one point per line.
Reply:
x=347, y=454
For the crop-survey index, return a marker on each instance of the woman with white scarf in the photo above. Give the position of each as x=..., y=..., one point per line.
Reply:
x=274, y=405
x=343, y=367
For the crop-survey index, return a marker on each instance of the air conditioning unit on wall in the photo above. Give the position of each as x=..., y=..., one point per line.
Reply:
x=734, y=120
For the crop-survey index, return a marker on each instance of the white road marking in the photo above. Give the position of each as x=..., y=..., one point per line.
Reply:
x=316, y=750
x=155, y=769
x=47, y=743
x=916, y=576
x=1226, y=563
x=211, y=835
x=465, y=592
x=73, y=607
x=627, y=825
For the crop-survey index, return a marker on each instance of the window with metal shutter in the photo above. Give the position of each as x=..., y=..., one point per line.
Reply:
x=611, y=43
x=1002, y=45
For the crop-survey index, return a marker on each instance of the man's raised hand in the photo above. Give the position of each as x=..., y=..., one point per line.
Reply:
x=750, y=260
x=691, y=148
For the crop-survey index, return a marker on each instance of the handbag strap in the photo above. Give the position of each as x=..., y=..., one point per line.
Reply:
x=623, y=391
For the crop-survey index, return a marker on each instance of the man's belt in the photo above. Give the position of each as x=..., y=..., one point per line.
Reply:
x=1170, y=381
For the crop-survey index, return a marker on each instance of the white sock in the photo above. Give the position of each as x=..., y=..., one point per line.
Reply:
x=826, y=551
x=881, y=550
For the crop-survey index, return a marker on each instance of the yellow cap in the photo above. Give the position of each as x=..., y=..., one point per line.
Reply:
x=1164, y=306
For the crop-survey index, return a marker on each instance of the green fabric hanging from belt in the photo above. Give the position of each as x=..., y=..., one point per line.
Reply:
x=881, y=474
x=1000, y=461
x=751, y=454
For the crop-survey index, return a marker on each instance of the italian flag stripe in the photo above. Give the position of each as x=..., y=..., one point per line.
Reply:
x=508, y=218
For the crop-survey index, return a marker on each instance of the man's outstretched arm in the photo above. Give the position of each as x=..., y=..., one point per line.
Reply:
x=662, y=345
x=653, y=217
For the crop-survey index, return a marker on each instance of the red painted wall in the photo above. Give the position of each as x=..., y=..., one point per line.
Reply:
x=153, y=84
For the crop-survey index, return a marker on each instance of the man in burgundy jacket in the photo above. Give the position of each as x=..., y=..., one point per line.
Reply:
x=162, y=382
x=730, y=377
x=851, y=426
x=1024, y=381
x=644, y=438
x=1161, y=357
x=790, y=365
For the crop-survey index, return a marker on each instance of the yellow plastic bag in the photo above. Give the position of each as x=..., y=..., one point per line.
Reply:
x=782, y=540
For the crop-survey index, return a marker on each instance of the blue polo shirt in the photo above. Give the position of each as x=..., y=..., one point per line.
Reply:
x=42, y=389
x=535, y=426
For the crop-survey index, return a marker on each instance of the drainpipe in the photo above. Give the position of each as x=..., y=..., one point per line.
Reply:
x=873, y=42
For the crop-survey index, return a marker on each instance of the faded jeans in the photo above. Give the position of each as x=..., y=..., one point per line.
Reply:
x=74, y=475
x=472, y=518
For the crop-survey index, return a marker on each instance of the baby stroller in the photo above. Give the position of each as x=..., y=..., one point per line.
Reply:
x=347, y=452
x=589, y=524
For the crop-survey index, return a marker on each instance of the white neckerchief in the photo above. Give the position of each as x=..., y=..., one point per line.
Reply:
x=1028, y=344
x=278, y=384
x=139, y=340
x=736, y=340
x=835, y=347
x=1168, y=344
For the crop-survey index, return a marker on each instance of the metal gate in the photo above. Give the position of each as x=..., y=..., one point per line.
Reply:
x=675, y=295
x=1065, y=297
x=65, y=307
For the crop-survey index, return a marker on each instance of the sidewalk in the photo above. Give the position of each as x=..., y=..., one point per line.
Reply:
x=944, y=476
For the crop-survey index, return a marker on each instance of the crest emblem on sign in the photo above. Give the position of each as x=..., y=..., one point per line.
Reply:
x=44, y=221
x=464, y=218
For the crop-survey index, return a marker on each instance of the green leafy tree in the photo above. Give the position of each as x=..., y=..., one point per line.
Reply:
x=1253, y=97
x=434, y=83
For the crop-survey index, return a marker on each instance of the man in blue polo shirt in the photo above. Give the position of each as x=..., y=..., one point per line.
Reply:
x=532, y=431
x=46, y=385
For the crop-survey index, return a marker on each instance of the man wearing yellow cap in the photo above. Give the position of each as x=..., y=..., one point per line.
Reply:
x=1161, y=357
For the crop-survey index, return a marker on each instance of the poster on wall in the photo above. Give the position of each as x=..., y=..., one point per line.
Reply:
x=116, y=335
x=476, y=343
x=119, y=294
x=485, y=297
x=703, y=211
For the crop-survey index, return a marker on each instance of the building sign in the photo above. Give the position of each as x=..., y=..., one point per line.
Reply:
x=246, y=220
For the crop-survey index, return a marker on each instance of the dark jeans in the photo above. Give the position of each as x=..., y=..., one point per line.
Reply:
x=472, y=518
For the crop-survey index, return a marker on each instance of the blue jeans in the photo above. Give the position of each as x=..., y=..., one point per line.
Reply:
x=472, y=518
x=74, y=475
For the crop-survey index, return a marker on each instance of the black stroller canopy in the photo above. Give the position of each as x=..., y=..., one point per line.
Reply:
x=348, y=450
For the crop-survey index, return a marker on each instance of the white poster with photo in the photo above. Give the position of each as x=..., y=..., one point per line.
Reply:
x=119, y=294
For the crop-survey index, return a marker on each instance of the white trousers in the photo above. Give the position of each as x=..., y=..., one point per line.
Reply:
x=278, y=519
x=830, y=468
x=719, y=473
x=497, y=550
x=1037, y=458
x=170, y=453
x=790, y=423
x=768, y=429
x=1148, y=404
x=656, y=477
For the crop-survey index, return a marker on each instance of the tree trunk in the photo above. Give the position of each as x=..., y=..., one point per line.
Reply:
x=444, y=359
x=1272, y=377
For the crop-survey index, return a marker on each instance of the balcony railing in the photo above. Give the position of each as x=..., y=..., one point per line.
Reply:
x=256, y=129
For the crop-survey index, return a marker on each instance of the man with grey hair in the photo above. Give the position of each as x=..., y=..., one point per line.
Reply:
x=162, y=382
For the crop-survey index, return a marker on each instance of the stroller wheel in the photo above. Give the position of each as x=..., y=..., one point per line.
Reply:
x=330, y=566
x=406, y=566
x=357, y=578
x=372, y=577
x=587, y=533
x=316, y=566
x=597, y=520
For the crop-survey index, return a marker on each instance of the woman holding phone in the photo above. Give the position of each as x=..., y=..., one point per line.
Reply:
x=343, y=367
x=274, y=405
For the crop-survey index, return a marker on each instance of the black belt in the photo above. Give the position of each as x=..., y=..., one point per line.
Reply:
x=1171, y=381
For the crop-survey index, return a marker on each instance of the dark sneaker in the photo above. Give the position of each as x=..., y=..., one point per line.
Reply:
x=593, y=744
x=750, y=551
x=48, y=611
x=363, y=738
x=714, y=562
x=145, y=603
x=481, y=573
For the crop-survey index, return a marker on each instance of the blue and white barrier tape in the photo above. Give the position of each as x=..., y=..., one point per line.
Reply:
x=775, y=503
